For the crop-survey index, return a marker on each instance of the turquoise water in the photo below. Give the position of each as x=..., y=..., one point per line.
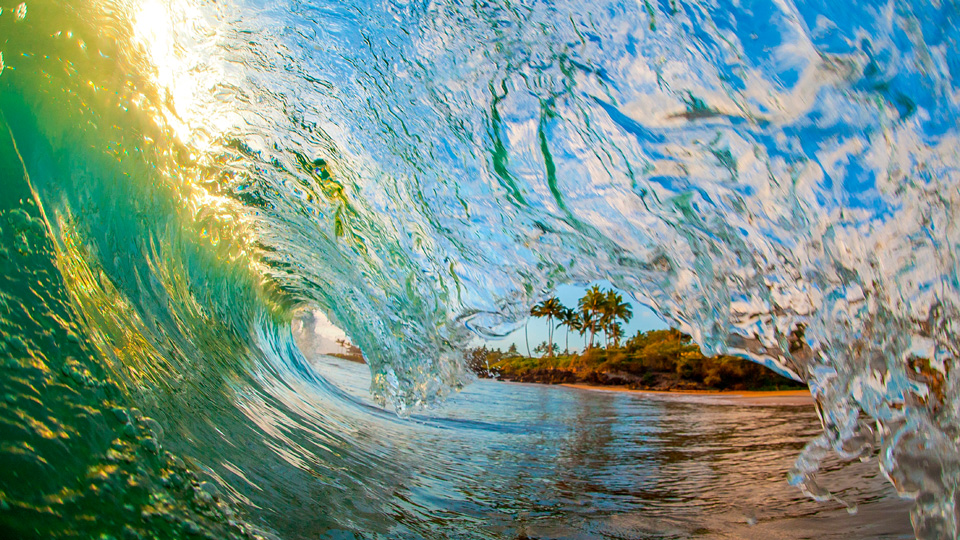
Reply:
x=179, y=179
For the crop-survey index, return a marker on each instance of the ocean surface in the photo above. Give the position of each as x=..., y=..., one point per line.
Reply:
x=180, y=180
x=508, y=460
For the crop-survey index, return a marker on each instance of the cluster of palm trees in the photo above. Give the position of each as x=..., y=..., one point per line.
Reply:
x=598, y=311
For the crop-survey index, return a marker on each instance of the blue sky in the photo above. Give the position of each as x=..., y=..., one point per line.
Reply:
x=643, y=319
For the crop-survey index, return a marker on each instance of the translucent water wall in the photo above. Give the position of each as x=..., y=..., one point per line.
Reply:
x=777, y=179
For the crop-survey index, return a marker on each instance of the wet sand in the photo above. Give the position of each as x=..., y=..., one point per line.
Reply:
x=775, y=398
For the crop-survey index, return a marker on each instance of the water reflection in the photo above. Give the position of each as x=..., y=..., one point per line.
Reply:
x=504, y=460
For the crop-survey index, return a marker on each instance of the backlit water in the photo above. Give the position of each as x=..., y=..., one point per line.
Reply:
x=180, y=179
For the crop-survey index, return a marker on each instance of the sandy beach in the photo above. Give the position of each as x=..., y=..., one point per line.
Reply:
x=775, y=398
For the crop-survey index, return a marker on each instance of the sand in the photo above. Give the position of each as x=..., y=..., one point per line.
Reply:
x=774, y=398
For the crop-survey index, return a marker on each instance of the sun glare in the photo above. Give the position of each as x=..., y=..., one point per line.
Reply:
x=180, y=50
x=177, y=40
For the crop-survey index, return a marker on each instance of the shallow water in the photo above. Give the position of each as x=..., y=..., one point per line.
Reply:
x=554, y=462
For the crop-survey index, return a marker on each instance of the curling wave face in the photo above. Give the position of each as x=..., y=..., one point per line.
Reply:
x=778, y=180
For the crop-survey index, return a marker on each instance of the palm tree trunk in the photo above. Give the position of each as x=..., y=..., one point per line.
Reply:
x=550, y=336
x=526, y=337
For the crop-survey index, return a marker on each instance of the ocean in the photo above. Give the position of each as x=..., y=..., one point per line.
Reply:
x=180, y=179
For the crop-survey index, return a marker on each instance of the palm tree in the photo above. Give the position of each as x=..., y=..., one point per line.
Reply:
x=615, y=331
x=614, y=308
x=571, y=319
x=588, y=323
x=591, y=306
x=618, y=308
x=549, y=308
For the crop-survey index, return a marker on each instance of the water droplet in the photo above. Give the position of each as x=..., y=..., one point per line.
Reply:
x=210, y=489
x=190, y=527
x=155, y=429
x=172, y=480
x=151, y=445
x=121, y=415
x=204, y=497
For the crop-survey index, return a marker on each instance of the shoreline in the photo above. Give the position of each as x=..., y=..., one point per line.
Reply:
x=793, y=398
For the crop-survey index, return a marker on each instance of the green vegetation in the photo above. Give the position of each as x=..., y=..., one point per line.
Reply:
x=349, y=351
x=657, y=360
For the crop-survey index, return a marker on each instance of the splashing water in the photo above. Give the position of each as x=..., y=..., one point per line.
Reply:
x=779, y=180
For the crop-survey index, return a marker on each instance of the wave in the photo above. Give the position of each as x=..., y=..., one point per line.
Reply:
x=179, y=178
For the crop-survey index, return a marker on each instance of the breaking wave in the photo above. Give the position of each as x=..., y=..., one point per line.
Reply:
x=778, y=180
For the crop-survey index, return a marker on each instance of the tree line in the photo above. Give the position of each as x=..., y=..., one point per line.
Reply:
x=598, y=311
x=656, y=359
